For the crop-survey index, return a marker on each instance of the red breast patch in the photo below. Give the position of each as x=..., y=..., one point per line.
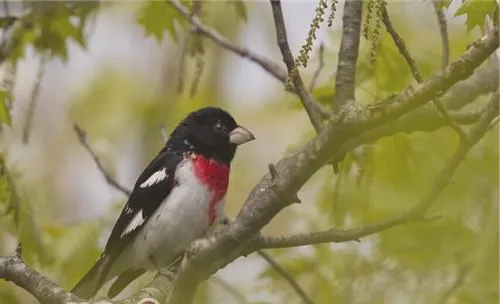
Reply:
x=215, y=176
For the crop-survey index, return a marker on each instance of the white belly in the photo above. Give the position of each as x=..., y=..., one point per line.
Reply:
x=179, y=220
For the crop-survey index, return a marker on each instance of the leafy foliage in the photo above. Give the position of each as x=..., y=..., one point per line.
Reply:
x=390, y=176
x=49, y=29
x=476, y=12
x=374, y=183
x=157, y=17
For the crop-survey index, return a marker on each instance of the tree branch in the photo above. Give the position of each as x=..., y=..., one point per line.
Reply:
x=321, y=65
x=417, y=213
x=237, y=295
x=82, y=137
x=289, y=278
x=268, y=65
x=400, y=44
x=30, y=113
x=443, y=29
x=463, y=271
x=292, y=172
x=157, y=290
x=295, y=169
x=199, y=28
x=293, y=72
x=277, y=267
x=14, y=269
x=484, y=81
x=345, y=80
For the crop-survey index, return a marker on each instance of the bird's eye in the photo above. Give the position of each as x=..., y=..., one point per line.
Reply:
x=219, y=127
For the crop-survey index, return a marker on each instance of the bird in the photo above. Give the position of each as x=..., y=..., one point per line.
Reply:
x=178, y=198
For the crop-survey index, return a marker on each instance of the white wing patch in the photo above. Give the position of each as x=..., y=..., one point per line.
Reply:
x=136, y=222
x=156, y=177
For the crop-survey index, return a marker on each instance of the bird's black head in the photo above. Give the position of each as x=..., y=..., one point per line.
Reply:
x=209, y=131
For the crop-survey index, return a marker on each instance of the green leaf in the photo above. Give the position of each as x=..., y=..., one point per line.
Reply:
x=240, y=8
x=64, y=28
x=4, y=111
x=476, y=12
x=49, y=30
x=156, y=17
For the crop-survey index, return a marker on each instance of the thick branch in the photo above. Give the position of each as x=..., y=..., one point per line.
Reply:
x=158, y=290
x=484, y=81
x=293, y=72
x=14, y=269
x=294, y=170
x=415, y=214
x=345, y=81
x=47, y=292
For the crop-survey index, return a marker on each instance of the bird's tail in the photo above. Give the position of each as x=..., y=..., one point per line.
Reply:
x=124, y=279
x=93, y=280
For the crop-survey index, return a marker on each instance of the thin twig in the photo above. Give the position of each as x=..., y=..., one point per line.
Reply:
x=267, y=64
x=92, y=27
x=494, y=122
x=345, y=75
x=200, y=28
x=200, y=67
x=6, y=17
x=82, y=137
x=345, y=78
x=277, y=267
x=443, y=28
x=34, y=98
x=237, y=295
x=281, y=37
x=463, y=271
x=400, y=44
x=321, y=65
x=416, y=213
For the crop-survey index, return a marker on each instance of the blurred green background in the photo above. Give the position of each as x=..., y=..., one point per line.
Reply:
x=120, y=73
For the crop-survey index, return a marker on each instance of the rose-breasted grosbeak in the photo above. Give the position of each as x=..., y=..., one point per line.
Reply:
x=177, y=199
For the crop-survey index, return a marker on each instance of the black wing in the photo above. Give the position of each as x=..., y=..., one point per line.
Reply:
x=152, y=187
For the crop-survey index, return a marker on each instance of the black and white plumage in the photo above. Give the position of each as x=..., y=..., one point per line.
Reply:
x=177, y=199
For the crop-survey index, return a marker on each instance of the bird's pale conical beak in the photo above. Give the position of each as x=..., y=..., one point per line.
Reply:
x=240, y=136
